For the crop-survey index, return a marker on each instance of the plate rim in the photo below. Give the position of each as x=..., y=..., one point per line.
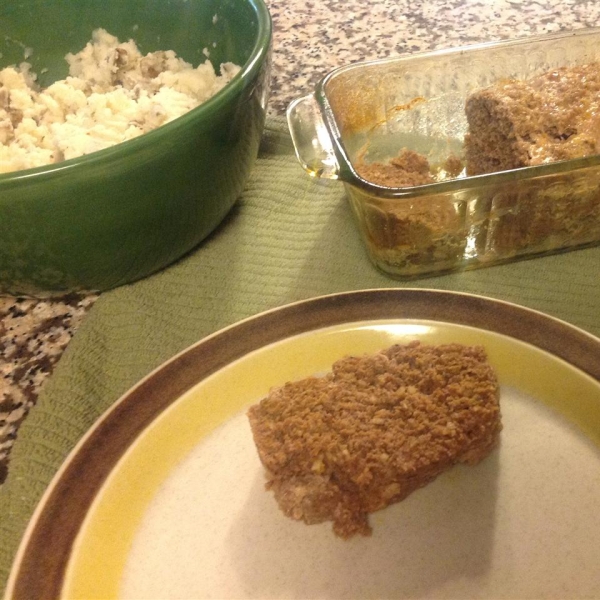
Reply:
x=35, y=573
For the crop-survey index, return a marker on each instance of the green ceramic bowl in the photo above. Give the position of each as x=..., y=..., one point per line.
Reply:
x=117, y=215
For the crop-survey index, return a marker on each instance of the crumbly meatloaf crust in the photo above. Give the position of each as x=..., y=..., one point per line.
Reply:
x=409, y=168
x=410, y=233
x=374, y=429
x=517, y=123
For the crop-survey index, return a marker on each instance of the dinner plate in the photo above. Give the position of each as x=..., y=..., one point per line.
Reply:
x=164, y=497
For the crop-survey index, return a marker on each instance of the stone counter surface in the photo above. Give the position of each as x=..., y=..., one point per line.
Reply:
x=310, y=39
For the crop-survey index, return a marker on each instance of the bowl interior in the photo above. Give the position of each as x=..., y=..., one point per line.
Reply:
x=43, y=32
x=114, y=216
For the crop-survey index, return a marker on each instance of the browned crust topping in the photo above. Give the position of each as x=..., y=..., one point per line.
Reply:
x=374, y=429
x=517, y=123
x=407, y=169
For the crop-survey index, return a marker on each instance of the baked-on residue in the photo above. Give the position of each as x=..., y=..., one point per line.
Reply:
x=374, y=429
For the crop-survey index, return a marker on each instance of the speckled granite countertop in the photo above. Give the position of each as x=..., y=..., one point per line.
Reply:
x=310, y=38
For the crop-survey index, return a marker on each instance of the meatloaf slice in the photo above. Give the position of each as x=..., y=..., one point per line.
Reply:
x=374, y=429
x=517, y=123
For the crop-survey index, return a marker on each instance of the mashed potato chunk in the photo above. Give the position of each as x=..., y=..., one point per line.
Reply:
x=113, y=93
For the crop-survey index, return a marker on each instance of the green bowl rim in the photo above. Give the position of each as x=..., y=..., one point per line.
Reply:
x=202, y=112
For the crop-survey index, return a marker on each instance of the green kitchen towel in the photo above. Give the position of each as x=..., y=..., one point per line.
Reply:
x=289, y=237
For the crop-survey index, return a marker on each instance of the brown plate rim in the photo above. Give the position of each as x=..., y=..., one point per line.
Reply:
x=37, y=573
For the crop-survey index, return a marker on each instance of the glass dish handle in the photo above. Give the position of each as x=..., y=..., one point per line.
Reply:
x=312, y=141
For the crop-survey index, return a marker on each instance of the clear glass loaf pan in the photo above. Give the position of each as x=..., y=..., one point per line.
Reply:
x=374, y=109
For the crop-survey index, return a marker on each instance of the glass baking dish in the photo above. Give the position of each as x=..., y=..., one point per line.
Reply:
x=369, y=111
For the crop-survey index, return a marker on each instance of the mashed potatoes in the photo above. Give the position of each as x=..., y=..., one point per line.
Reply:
x=112, y=94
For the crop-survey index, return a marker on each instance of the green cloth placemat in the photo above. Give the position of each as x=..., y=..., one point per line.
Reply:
x=289, y=237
